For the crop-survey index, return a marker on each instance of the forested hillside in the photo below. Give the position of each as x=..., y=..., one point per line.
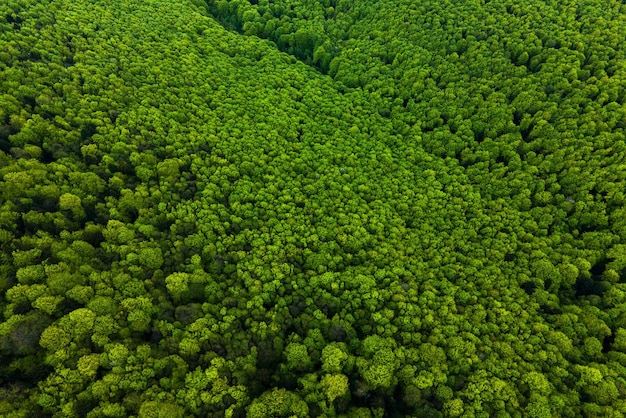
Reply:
x=280, y=208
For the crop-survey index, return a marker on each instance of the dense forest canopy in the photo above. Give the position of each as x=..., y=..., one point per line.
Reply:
x=277, y=208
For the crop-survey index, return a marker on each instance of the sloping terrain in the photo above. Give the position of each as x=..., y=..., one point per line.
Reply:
x=315, y=208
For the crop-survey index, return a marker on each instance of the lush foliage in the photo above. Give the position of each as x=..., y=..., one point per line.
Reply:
x=303, y=208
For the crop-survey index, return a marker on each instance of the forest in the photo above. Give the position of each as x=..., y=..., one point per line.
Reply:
x=312, y=208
